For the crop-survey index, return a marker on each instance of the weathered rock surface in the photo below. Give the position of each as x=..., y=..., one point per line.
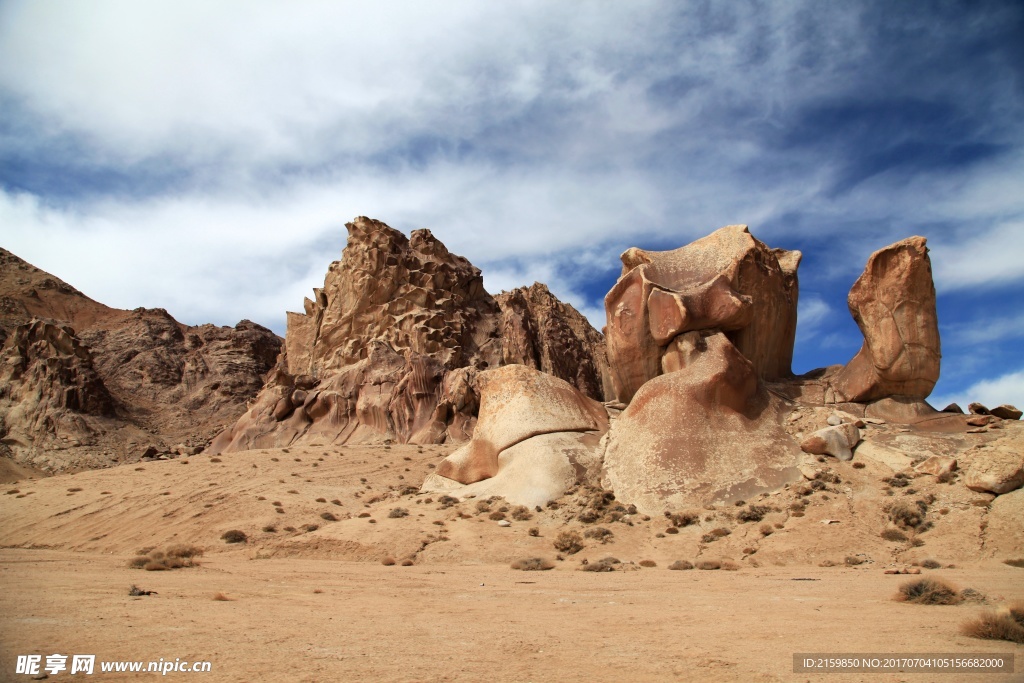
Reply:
x=997, y=470
x=704, y=433
x=536, y=436
x=937, y=465
x=837, y=441
x=102, y=380
x=1007, y=412
x=893, y=302
x=391, y=345
x=541, y=332
x=728, y=281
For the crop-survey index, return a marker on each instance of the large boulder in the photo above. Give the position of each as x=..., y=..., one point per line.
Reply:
x=706, y=432
x=893, y=302
x=536, y=436
x=728, y=281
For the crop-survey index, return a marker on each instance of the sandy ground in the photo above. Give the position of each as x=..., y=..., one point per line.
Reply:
x=319, y=605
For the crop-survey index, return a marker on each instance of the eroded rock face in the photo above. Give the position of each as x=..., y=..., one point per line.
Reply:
x=727, y=281
x=390, y=347
x=536, y=436
x=706, y=432
x=541, y=332
x=893, y=302
x=107, y=382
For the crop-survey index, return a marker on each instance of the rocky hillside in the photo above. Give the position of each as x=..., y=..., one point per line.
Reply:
x=390, y=347
x=85, y=385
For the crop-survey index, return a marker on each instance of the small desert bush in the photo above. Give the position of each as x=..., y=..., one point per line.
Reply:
x=407, y=562
x=1019, y=562
x=234, y=536
x=483, y=506
x=533, y=564
x=1004, y=624
x=388, y=561
x=397, y=513
x=270, y=529
x=859, y=465
x=447, y=501
x=907, y=515
x=683, y=519
x=709, y=564
x=898, y=480
x=930, y=564
x=679, y=565
x=569, y=542
x=521, y=513
x=599, y=533
x=534, y=531
x=321, y=500
x=606, y=564
x=753, y=513
x=894, y=535
x=928, y=592
x=853, y=560
x=648, y=563
x=329, y=517
x=497, y=515
x=766, y=530
x=174, y=557
x=309, y=528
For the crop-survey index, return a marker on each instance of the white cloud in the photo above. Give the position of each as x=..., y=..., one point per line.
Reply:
x=812, y=312
x=980, y=258
x=985, y=331
x=1008, y=388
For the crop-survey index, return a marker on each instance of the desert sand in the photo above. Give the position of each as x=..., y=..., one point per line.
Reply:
x=320, y=606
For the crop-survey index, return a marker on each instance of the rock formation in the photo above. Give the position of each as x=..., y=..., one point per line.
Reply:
x=536, y=436
x=391, y=345
x=893, y=302
x=727, y=281
x=85, y=385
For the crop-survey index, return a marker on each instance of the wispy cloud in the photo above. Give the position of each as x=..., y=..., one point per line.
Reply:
x=1007, y=388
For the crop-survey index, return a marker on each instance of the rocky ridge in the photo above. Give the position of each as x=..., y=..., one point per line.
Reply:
x=84, y=385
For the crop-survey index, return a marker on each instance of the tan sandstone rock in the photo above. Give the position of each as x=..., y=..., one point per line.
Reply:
x=516, y=403
x=997, y=470
x=893, y=302
x=837, y=441
x=1007, y=412
x=937, y=465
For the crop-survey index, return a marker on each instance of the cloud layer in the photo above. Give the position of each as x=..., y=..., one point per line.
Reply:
x=203, y=157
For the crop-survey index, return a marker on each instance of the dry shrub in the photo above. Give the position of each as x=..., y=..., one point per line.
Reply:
x=859, y=465
x=447, y=501
x=753, y=513
x=709, y=564
x=138, y=562
x=309, y=528
x=534, y=531
x=853, y=560
x=155, y=566
x=928, y=592
x=898, y=480
x=407, y=562
x=894, y=535
x=683, y=519
x=606, y=564
x=1005, y=624
x=327, y=516
x=175, y=557
x=521, y=513
x=388, y=561
x=908, y=515
x=680, y=565
x=569, y=542
x=234, y=536
x=648, y=563
x=930, y=564
x=497, y=515
x=321, y=500
x=599, y=533
x=767, y=530
x=270, y=529
x=672, y=530
x=533, y=564
x=483, y=506
x=1019, y=562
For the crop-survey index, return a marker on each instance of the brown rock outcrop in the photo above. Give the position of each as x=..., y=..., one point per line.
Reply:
x=728, y=281
x=893, y=302
x=541, y=332
x=104, y=380
x=390, y=347
x=704, y=433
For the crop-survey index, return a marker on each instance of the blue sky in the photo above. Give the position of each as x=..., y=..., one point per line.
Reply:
x=204, y=157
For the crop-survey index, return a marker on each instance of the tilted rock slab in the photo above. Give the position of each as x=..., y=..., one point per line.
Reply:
x=728, y=281
x=893, y=302
x=535, y=437
x=837, y=441
x=708, y=432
